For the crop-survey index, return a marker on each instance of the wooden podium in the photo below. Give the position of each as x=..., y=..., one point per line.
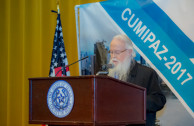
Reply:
x=98, y=100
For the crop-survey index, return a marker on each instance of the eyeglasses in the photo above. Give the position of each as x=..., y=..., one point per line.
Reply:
x=116, y=53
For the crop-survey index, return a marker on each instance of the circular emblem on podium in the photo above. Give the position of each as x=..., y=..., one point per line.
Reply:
x=60, y=98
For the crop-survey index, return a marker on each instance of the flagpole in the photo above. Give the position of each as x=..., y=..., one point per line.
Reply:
x=58, y=7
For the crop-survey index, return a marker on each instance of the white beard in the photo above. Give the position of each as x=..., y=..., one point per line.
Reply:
x=122, y=70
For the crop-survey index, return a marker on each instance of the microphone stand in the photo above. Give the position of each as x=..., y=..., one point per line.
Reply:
x=102, y=73
x=105, y=69
x=71, y=64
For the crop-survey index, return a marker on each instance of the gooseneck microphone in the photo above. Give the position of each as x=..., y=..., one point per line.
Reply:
x=71, y=64
x=105, y=69
x=107, y=66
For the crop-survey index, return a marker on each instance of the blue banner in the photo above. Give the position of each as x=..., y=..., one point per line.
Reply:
x=160, y=41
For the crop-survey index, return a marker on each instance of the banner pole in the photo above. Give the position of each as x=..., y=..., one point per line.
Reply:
x=77, y=31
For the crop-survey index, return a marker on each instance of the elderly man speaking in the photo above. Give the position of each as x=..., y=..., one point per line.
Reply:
x=127, y=69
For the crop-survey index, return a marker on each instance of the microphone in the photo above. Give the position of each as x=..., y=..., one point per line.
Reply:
x=105, y=68
x=71, y=64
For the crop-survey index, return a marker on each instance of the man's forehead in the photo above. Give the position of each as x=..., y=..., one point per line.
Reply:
x=117, y=43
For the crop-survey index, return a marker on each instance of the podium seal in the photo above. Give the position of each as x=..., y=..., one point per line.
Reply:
x=60, y=98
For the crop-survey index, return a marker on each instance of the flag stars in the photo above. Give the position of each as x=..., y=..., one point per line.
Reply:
x=55, y=64
x=56, y=34
x=61, y=49
x=62, y=54
x=61, y=34
x=52, y=67
x=57, y=27
x=52, y=74
x=60, y=28
x=55, y=55
x=65, y=61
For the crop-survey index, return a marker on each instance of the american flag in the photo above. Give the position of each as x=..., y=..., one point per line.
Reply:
x=59, y=58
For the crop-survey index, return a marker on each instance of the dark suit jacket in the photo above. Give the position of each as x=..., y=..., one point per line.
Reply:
x=148, y=78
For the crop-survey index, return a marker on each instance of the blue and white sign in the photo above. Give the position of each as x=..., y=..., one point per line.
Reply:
x=164, y=44
x=60, y=98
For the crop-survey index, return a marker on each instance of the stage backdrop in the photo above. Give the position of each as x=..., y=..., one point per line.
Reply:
x=162, y=35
